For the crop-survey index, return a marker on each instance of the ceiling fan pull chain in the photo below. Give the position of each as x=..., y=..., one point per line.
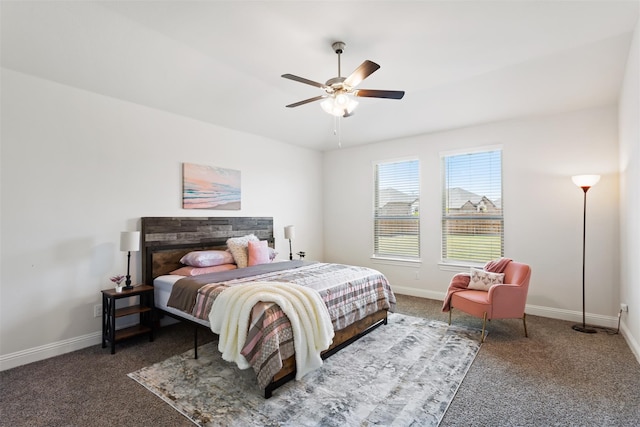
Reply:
x=336, y=130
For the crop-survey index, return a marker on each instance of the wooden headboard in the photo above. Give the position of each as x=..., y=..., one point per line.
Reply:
x=167, y=239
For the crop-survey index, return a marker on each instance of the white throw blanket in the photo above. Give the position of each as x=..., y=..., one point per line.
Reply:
x=309, y=317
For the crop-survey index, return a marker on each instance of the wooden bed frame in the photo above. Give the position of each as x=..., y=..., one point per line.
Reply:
x=166, y=239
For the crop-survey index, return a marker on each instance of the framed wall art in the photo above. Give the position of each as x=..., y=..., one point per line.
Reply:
x=210, y=187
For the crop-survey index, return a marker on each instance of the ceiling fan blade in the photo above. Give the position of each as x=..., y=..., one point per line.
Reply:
x=362, y=72
x=303, y=80
x=372, y=93
x=306, y=101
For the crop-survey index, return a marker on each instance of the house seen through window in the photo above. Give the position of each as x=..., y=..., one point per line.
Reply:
x=397, y=210
x=472, y=211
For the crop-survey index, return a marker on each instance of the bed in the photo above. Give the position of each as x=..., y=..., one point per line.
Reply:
x=366, y=296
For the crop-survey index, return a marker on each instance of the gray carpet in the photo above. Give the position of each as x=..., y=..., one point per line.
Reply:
x=555, y=377
x=403, y=374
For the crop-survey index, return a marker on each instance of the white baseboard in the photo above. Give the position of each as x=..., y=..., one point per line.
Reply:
x=418, y=293
x=46, y=351
x=42, y=352
x=534, y=310
x=573, y=316
x=633, y=344
x=35, y=354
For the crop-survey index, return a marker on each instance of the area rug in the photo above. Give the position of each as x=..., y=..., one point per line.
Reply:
x=403, y=373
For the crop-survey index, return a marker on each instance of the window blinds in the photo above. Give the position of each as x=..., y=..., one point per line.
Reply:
x=472, y=211
x=397, y=210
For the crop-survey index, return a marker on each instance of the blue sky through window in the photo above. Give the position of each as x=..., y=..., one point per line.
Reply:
x=479, y=173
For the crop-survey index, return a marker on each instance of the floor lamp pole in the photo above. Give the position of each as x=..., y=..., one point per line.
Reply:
x=583, y=327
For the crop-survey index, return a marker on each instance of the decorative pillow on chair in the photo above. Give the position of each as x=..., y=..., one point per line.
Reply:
x=482, y=280
x=258, y=252
x=238, y=248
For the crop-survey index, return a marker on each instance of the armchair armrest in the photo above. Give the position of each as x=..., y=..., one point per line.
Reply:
x=507, y=300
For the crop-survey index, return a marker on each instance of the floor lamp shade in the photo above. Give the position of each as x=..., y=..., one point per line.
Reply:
x=585, y=182
x=129, y=242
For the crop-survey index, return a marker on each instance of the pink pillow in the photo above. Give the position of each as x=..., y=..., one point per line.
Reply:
x=258, y=252
x=196, y=271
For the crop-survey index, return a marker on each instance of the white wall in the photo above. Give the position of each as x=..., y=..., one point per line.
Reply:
x=630, y=194
x=542, y=208
x=78, y=168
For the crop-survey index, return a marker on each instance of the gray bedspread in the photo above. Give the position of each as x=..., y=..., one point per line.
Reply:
x=185, y=291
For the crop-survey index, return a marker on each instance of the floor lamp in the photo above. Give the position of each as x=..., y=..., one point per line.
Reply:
x=585, y=182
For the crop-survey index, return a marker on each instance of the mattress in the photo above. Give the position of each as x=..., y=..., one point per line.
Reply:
x=163, y=286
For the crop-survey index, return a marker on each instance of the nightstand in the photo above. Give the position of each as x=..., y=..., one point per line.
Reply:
x=145, y=308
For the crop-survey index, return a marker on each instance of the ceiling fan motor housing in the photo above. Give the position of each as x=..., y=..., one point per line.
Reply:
x=336, y=83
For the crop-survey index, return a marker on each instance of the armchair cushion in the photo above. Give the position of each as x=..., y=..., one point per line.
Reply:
x=482, y=280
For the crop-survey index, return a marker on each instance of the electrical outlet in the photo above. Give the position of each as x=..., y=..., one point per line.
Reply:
x=624, y=307
x=417, y=275
x=97, y=310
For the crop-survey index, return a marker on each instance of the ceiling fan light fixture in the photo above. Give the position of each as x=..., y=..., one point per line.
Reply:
x=339, y=105
x=340, y=92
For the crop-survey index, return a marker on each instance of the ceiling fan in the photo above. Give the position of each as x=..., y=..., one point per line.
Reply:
x=340, y=91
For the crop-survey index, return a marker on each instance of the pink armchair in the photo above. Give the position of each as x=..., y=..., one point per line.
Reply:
x=503, y=301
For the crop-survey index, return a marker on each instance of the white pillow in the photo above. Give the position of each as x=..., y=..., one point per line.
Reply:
x=238, y=248
x=482, y=280
x=207, y=258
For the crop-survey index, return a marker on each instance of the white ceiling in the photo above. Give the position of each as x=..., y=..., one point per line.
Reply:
x=460, y=62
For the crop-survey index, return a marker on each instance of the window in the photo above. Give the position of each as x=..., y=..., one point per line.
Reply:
x=397, y=210
x=472, y=214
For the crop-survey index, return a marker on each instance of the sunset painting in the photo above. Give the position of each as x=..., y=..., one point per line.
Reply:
x=210, y=187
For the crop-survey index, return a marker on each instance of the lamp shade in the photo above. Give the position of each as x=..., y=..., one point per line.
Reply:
x=583, y=181
x=289, y=232
x=130, y=241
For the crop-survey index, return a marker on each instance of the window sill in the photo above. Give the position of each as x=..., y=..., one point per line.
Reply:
x=460, y=267
x=397, y=261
